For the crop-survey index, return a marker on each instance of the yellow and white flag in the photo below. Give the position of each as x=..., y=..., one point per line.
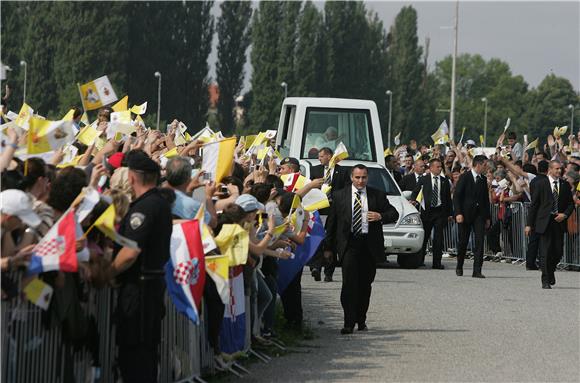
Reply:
x=315, y=199
x=218, y=158
x=24, y=116
x=420, y=198
x=387, y=152
x=85, y=118
x=106, y=224
x=206, y=238
x=69, y=115
x=139, y=109
x=233, y=242
x=339, y=154
x=46, y=136
x=97, y=93
x=533, y=144
x=559, y=132
x=121, y=123
x=441, y=135
x=121, y=105
x=39, y=293
x=89, y=134
x=204, y=135
x=217, y=267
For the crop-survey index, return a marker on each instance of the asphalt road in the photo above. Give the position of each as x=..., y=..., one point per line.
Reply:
x=432, y=326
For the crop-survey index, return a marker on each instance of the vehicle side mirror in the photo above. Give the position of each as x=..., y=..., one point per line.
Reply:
x=407, y=194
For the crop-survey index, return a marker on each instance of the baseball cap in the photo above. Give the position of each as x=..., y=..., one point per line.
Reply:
x=19, y=204
x=289, y=160
x=470, y=142
x=116, y=159
x=249, y=203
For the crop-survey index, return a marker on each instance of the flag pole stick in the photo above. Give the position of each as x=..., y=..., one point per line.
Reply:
x=81, y=94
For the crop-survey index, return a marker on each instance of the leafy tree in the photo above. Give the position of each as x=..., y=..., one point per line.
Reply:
x=476, y=78
x=233, y=30
x=548, y=106
x=266, y=91
x=287, y=43
x=406, y=73
x=309, y=72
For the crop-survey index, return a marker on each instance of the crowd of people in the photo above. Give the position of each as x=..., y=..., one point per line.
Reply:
x=151, y=191
x=475, y=178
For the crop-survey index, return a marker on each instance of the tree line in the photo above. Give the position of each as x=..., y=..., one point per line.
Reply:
x=339, y=50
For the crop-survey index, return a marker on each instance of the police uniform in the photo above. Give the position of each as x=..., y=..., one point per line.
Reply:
x=140, y=306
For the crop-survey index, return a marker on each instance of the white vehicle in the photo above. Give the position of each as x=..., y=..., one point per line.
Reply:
x=307, y=124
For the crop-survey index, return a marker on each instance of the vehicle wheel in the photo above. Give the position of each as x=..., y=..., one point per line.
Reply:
x=410, y=261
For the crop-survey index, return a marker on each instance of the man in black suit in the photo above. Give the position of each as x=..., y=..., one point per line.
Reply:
x=354, y=231
x=534, y=238
x=336, y=179
x=437, y=208
x=409, y=181
x=551, y=206
x=471, y=205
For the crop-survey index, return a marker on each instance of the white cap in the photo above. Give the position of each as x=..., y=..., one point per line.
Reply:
x=19, y=204
x=470, y=142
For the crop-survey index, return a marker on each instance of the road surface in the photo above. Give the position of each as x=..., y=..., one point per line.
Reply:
x=430, y=325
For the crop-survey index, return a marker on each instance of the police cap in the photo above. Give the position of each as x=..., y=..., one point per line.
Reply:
x=289, y=160
x=139, y=161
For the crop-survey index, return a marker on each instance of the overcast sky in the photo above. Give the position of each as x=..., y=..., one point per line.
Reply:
x=534, y=38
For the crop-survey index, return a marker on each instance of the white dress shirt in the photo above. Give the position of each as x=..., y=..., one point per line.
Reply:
x=331, y=173
x=365, y=208
x=475, y=175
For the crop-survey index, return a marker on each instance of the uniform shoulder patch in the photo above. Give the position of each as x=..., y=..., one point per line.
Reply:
x=136, y=220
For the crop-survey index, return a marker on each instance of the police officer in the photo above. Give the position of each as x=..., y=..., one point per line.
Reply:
x=139, y=272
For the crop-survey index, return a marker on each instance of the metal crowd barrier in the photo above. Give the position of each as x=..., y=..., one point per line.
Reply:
x=33, y=352
x=509, y=236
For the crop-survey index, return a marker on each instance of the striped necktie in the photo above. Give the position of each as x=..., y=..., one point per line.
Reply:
x=435, y=195
x=555, y=194
x=357, y=214
x=327, y=173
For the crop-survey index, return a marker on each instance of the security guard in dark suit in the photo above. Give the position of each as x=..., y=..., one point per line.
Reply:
x=354, y=231
x=438, y=209
x=336, y=178
x=139, y=272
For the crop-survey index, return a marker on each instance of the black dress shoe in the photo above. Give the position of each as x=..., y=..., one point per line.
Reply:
x=438, y=267
x=328, y=278
x=363, y=327
x=532, y=268
x=347, y=330
x=546, y=286
x=459, y=272
x=316, y=274
x=478, y=275
x=552, y=281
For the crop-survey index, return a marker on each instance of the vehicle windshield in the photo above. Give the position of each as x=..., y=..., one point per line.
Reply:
x=380, y=179
x=327, y=127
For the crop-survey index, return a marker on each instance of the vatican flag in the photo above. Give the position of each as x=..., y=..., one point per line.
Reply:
x=218, y=158
x=97, y=93
x=121, y=105
x=45, y=136
x=139, y=109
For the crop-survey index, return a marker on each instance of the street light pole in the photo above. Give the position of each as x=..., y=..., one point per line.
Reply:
x=484, y=100
x=285, y=86
x=158, y=75
x=25, y=65
x=453, y=64
x=390, y=94
x=571, y=107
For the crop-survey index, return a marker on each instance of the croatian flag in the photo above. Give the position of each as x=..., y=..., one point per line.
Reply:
x=288, y=268
x=233, y=332
x=57, y=249
x=293, y=181
x=185, y=271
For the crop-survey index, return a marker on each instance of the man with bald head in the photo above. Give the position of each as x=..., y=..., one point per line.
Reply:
x=410, y=180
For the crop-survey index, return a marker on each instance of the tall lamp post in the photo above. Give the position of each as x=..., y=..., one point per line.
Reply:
x=453, y=64
x=158, y=75
x=484, y=100
x=571, y=107
x=25, y=65
x=285, y=86
x=390, y=94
